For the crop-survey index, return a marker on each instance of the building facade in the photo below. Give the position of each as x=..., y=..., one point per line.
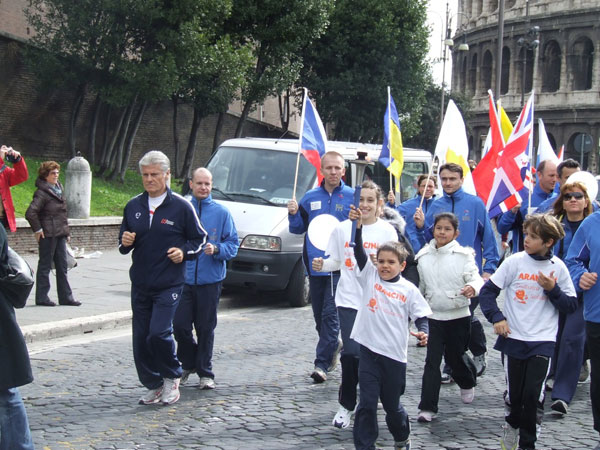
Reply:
x=548, y=47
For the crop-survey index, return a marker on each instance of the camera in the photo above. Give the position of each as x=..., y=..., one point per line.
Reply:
x=11, y=158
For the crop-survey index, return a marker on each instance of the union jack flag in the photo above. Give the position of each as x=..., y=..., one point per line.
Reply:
x=513, y=179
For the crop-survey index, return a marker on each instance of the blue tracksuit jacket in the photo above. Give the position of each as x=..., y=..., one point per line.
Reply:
x=315, y=202
x=584, y=256
x=473, y=223
x=407, y=211
x=175, y=224
x=514, y=222
x=219, y=226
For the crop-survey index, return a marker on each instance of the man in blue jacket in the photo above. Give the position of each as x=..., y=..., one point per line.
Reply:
x=475, y=231
x=203, y=282
x=583, y=261
x=331, y=197
x=163, y=230
x=513, y=220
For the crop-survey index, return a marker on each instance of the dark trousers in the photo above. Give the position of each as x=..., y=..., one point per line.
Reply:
x=52, y=249
x=592, y=330
x=153, y=344
x=477, y=342
x=349, y=359
x=322, y=296
x=525, y=381
x=568, y=355
x=379, y=378
x=197, y=309
x=449, y=338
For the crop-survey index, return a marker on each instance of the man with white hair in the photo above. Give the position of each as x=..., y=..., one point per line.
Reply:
x=163, y=231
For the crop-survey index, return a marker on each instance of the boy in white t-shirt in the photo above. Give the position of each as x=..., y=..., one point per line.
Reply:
x=381, y=328
x=536, y=286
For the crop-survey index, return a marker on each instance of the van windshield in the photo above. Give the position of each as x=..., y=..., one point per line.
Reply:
x=253, y=175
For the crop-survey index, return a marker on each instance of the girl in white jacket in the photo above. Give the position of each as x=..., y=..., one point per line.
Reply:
x=449, y=277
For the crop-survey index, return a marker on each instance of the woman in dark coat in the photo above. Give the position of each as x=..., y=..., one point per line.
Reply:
x=47, y=215
x=16, y=370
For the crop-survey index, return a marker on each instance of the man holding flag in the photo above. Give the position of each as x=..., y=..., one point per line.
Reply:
x=332, y=197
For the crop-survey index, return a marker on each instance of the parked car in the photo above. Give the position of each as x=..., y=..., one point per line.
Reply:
x=254, y=179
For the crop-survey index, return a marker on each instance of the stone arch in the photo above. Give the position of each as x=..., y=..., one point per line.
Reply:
x=526, y=80
x=492, y=6
x=505, y=77
x=551, y=62
x=581, y=63
x=473, y=74
x=487, y=67
x=477, y=8
x=510, y=4
x=579, y=146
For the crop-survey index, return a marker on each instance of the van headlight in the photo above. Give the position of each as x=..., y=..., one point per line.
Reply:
x=265, y=243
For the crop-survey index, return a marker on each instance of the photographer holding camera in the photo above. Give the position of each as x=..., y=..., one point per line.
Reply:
x=10, y=176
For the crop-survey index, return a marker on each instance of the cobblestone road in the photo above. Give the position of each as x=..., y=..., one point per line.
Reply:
x=85, y=397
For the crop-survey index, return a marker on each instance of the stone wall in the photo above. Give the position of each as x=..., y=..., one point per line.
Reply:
x=97, y=233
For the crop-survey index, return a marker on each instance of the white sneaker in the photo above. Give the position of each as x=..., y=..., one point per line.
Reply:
x=186, y=375
x=425, y=416
x=560, y=406
x=170, y=392
x=151, y=397
x=585, y=372
x=207, y=383
x=318, y=375
x=467, y=395
x=342, y=418
x=336, y=356
x=510, y=437
x=480, y=364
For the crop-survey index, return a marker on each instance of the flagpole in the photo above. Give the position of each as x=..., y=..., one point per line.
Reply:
x=304, y=97
x=389, y=92
x=531, y=186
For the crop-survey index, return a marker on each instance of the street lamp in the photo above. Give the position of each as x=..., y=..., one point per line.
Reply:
x=448, y=43
x=529, y=42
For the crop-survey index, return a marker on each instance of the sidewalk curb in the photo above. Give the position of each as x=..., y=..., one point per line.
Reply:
x=78, y=325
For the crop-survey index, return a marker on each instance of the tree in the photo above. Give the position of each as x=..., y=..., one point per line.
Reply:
x=369, y=45
x=277, y=31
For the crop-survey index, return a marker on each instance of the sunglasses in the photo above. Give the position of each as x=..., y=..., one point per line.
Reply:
x=575, y=195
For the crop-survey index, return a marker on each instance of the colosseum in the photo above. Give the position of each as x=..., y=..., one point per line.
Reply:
x=548, y=47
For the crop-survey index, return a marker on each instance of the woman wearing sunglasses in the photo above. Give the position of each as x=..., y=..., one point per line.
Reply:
x=571, y=207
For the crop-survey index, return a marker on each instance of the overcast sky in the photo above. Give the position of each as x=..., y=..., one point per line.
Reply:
x=436, y=19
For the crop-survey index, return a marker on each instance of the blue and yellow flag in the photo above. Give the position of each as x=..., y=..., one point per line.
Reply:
x=392, y=155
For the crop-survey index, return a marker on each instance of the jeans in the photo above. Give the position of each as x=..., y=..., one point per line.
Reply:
x=349, y=359
x=568, y=356
x=14, y=427
x=385, y=378
x=322, y=295
x=197, y=308
x=52, y=249
x=153, y=344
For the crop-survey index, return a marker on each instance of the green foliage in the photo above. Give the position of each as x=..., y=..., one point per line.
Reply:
x=276, y=31
x=108, y=198
x=369, y=45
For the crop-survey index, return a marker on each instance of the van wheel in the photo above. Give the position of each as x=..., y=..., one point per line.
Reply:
x=298, y=289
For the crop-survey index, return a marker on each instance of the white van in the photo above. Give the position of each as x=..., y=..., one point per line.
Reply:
x=254, y=179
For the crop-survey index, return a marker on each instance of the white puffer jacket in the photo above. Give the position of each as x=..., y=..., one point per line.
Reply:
x=443, y=273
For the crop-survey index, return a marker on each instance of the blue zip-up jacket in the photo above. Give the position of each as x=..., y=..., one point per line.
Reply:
x=315, y=202
x=218, y=223
x=473, y=224
x=407, y=211
x=509, y=221
x=175, y=224
x=584, y=256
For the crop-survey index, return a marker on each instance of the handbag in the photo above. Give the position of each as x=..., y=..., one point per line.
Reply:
x=18, y=281
x=71, y=261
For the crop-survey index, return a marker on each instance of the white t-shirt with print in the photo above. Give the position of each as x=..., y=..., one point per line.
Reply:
x=155, y=202
x=382, y=322
x=529, y=313
x=348, y=293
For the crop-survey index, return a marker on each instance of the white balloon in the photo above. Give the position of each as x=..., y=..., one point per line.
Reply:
x=588, y=180
x=320, y=229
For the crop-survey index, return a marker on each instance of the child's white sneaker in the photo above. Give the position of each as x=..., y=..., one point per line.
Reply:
x=510, y=437
x=467, y=395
